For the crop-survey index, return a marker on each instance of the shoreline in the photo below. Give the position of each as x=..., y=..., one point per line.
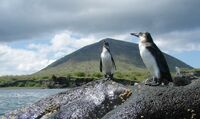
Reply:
x=56, y=83
x=2, y=88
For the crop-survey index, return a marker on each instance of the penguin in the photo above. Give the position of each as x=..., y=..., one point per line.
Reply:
x=154, y=60
x=107, y=63
x=178, y=71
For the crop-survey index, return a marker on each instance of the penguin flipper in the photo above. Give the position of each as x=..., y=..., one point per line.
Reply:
x=100, y=67
x=161, y=61
x=113, y=62
x=112, y=59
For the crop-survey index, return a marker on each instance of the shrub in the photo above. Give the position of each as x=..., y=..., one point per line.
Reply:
x=45, y=77
x=119, y=75
x=69, y=76
x=21, y=84
x=79, y=74
x=97, y=75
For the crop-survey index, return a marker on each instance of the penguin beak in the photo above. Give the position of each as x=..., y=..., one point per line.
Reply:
x=135, y=34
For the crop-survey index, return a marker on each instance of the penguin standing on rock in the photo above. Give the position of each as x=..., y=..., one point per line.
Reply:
x=107, y=63
x=154, y=60
x=178, y=71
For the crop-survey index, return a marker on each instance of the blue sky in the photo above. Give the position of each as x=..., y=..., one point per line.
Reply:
x=34, y=33
x=192, y=58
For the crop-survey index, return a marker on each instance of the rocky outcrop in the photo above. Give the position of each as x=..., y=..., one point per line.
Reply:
x=161, y=102
x=89, y=101
x=100, y=99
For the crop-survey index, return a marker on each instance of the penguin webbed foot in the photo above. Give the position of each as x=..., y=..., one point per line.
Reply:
x=165, y=82
x=111, y=76
x=108, y=77
x=152, y=82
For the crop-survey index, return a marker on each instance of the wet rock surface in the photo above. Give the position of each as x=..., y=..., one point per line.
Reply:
x=89, y=101
x=161, y=102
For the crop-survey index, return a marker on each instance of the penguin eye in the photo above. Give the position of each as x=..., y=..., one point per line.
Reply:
x=140, y=34
x=145, y=35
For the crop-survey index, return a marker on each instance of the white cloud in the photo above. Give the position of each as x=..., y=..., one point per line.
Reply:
x=177, y=46
x=26, y=19
x=17, y=61
x=63, y=43
x=20, y=61
x=179, y=41
x=38, y=55
x=124, y=37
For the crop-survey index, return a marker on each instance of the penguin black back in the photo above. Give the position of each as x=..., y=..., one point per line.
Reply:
x=160, y=59
x=161, y=62
x=146, y=42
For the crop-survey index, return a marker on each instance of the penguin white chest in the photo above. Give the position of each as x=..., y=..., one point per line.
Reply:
x=149, y=61
x=106, y=62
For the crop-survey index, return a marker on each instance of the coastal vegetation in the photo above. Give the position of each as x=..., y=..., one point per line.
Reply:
x=45, y=81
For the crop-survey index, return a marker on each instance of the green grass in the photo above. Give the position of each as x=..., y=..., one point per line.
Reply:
x=132, y=75
x=36, y=79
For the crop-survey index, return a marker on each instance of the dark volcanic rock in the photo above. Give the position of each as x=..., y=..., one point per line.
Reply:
x=101, y=98
x=162, y=102
x=181, y=81
x=89, y=101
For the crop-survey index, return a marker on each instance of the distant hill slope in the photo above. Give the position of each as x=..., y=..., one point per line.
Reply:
x=86, y=59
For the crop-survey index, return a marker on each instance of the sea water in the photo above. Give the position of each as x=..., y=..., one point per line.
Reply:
x=11, y=99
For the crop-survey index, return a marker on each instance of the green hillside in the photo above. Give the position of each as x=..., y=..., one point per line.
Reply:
x=86, y=59
x=82, y=66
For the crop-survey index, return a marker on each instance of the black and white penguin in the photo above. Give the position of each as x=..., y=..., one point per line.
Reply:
x=178, y=71
x=154, y=60
x=107, y=63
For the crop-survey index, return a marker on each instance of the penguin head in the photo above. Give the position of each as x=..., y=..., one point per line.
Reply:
x=106, y=45
x=143, y=36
